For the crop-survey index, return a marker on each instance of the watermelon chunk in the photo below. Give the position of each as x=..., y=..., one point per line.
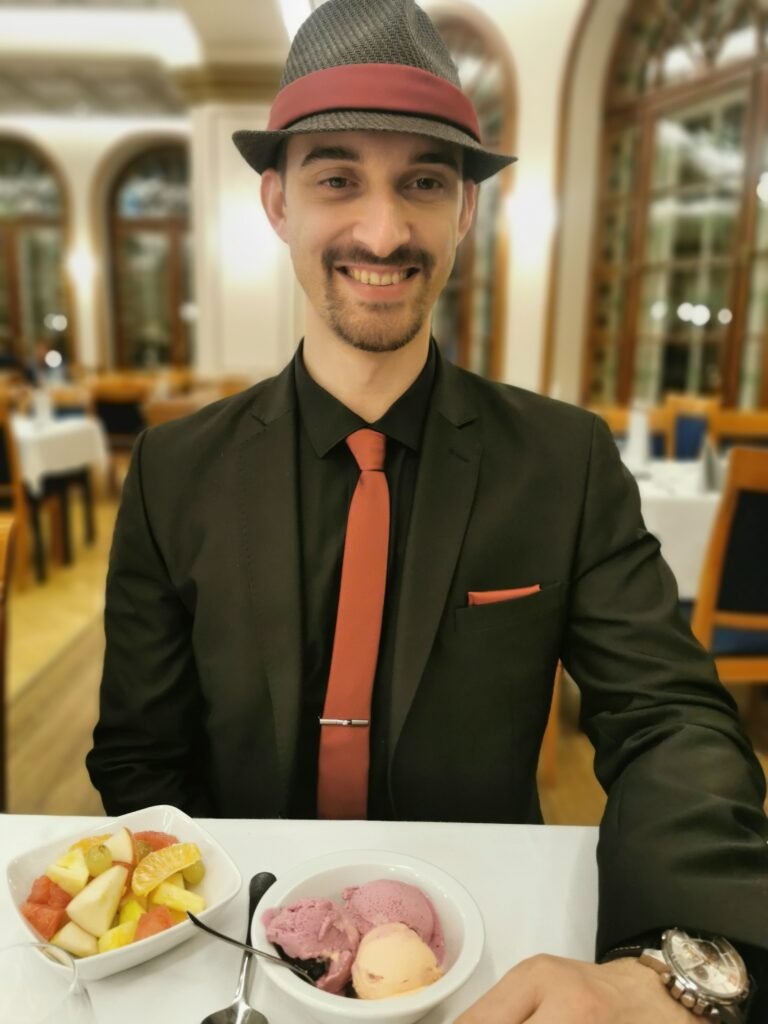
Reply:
x=157, y=840
x=48, y=894
x=41, y=887
x=45, y=920
x=156, y=920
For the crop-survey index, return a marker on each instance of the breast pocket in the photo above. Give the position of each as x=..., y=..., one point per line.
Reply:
x=513, y=615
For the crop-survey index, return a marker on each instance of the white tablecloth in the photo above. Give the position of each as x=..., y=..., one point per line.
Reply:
x=680, y=514
x=58, y=446
x=536, y=887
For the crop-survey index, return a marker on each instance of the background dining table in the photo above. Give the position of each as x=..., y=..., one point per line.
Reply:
x=51, y=447
x=679, y=510
x=535, y=885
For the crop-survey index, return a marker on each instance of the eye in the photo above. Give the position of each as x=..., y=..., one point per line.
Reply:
x=427, y=184
x=335, y=183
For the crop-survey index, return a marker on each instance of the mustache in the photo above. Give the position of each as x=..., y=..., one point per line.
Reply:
x=402, y=256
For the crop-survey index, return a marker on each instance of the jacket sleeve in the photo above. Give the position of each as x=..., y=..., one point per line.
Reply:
x=149, y=743
x=683, y=838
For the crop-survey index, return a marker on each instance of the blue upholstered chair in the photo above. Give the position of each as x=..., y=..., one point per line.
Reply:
x=730, y=617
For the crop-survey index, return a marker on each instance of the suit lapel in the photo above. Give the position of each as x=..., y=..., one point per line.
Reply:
x=445, y=490
x=267, y=495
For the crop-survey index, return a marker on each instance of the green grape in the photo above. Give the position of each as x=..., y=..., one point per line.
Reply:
x=195, y=873
x=98, y=860
x=142, y=849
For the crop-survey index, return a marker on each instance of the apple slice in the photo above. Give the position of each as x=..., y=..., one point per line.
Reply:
x=70, y=872
x=75, y=940
x=120, y=845
x=95, y=907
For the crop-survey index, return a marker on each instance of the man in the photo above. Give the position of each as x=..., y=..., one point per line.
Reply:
x=345, y=592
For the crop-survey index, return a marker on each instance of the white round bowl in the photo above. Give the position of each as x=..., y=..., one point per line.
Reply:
x=326, y=877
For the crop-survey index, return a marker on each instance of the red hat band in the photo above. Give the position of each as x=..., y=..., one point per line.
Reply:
x=394, y=88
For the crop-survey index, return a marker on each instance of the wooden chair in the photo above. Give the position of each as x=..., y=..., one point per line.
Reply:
x=161, y=410
x=733, y=426
x=14, y=502
x=549, y=744
x=6, y=561
x=660, y=425
x=730, y=617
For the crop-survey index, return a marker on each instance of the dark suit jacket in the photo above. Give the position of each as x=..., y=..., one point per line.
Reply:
x=202, y=674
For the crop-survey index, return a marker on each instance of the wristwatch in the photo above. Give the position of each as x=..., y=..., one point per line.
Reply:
x=705, y=973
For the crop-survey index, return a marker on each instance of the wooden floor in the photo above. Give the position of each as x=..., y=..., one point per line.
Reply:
x=52, y=713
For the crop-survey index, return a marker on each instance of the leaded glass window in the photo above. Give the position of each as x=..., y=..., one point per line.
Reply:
x=33, y=302
x=681, y=264
x=152, y=262
x=468, y=319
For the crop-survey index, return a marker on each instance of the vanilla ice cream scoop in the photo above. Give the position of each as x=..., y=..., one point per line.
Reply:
x=392, y=960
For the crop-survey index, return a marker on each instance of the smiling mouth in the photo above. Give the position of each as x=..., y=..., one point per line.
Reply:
x=383, y=280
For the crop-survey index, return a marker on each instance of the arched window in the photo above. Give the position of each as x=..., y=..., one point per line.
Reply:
x=152, y=259
x=470, y=314
x=33, y=301
x=680, y=299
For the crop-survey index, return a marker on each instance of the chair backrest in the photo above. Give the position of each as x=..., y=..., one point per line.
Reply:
x=660, y=425
x=691, y=415
x=729, y=427
x=11, y=485
x=161, y=410
x=6, y=555
x=733, y=591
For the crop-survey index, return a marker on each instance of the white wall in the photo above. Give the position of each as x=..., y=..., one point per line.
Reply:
x=82, y=149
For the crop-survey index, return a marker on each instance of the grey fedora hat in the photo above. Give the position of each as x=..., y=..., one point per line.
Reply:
x=371, y=65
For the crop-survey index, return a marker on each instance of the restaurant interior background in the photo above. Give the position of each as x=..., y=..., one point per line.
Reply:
x=621, y=264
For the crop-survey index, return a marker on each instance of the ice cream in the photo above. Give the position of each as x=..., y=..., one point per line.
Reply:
x=386, y=939
x=316, y=931
x=386, y=901
x=392, y=960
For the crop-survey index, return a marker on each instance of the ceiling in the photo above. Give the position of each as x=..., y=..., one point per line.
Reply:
x=46, y=71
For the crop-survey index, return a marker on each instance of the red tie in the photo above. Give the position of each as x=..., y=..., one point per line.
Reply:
x=342, y=789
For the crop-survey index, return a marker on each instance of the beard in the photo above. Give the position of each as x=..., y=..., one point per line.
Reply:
x=377, y=327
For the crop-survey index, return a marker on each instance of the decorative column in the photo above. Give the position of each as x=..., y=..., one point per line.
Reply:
x=248, y=319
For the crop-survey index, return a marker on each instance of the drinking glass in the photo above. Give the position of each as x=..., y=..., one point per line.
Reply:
x=39, y=985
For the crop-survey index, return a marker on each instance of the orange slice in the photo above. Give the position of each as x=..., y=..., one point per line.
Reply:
x=89, y=841
x=156, y=867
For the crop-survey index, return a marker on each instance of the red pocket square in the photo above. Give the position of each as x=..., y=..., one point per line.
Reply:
x=493, y=596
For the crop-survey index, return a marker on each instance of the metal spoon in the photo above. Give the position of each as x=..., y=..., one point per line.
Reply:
x=239, y=1011
x=252, y=949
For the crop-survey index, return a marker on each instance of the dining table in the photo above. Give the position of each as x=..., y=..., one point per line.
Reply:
x=50, y=447
x=535, y=886
x=679, y=508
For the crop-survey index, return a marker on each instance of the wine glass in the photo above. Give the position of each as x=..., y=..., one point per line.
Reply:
x=39, y=985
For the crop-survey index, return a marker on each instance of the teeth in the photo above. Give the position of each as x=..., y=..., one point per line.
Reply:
x=380, y=280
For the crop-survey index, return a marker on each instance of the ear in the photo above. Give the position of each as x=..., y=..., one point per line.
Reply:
x=273, y=201
x=469, y=201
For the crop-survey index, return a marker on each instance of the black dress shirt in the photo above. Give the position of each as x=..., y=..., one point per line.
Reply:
x=328, y=476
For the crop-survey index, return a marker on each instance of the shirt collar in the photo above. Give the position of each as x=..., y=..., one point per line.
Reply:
x=328, y=421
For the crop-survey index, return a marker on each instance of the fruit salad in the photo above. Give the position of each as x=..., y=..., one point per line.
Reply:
x=109, y=890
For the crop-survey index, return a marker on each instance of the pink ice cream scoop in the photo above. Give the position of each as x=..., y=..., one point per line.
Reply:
x=316, y=930
x=387, y=901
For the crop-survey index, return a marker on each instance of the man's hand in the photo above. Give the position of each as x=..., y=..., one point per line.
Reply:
x=552, y=990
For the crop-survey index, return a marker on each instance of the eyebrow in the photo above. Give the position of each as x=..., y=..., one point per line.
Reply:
x=319, y=153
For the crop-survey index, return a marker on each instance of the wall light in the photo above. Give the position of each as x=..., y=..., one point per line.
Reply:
x=531, y=210
x=81, y=265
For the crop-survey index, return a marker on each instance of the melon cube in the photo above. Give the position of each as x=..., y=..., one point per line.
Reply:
x=76, y=941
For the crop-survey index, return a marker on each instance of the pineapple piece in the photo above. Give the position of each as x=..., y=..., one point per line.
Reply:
x=177, y=879
x=131, y=910
x=121, y=935
x=171, y=896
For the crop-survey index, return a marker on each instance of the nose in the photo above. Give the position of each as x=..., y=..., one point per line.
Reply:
x=382, y=225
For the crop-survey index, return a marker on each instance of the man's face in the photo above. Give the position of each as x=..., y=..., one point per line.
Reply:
x=373, y=220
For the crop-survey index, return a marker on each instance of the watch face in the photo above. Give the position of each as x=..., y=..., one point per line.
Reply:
x=712, y=965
